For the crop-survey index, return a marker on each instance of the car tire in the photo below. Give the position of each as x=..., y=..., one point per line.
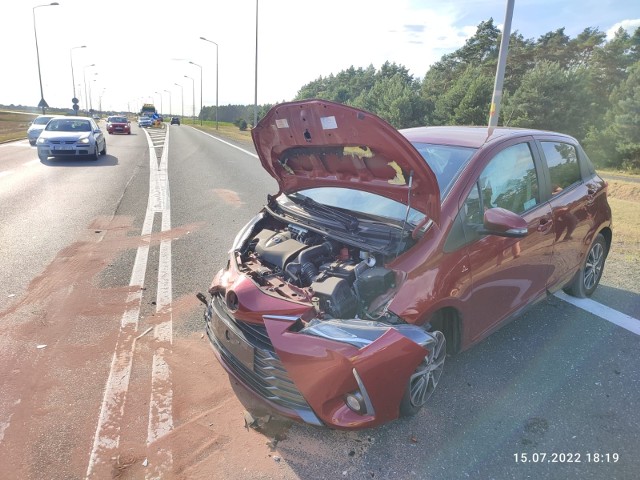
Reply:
x=588, y=277
x=32, y=143
x=424, y=380
x=95, y=154
x=43, y=158
x=104, y=149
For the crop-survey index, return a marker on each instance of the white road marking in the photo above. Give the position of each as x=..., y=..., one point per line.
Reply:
x=107, y=437
x=5, y=173
x=227, y=143
x=609, y=314
x=31, y=163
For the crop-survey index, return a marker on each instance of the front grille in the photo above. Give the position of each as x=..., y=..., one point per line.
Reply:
x=268, y=378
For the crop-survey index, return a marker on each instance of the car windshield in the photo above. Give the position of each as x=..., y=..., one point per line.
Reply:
x=446, y=161
x=367, y=203
x=65, y=125
x=118, y=120
x=42, y=120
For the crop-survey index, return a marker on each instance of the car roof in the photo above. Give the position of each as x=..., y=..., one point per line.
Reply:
x=464, y=136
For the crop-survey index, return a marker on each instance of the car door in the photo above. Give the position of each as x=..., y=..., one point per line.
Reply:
x=570, y=200
x=507, y=273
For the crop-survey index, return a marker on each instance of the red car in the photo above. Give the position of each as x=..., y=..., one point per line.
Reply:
x=118, y=124
x=384, y=250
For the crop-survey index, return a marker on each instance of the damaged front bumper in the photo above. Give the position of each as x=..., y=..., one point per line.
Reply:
x=346, y=374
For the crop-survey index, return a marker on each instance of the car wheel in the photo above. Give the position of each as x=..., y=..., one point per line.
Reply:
x=588, y=277
x=32, y=143
x=104, y=149
x=425, y=379
x=95, y=154
x=42, y=157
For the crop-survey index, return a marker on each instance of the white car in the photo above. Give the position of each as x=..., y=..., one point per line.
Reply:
x=145, y=122
x=36, y=127
x=71, y=137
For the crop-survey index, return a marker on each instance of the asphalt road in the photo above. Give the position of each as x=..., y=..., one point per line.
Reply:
x=103, y=378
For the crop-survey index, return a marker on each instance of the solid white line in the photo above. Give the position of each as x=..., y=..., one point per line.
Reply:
x=5, y=173
x=107, y=436
x=618, y=318
x=227, y=143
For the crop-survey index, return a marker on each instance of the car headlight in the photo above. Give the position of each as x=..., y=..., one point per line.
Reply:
x=361, y=333
x=84, y=141
x=41, y=141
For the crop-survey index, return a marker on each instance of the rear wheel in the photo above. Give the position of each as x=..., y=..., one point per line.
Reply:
x=424, y=380
x=588, y=277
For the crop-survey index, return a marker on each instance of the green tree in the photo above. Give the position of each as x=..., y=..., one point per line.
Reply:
x=467, y=101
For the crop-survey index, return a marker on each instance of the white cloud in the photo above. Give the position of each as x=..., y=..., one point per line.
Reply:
x=629, y=25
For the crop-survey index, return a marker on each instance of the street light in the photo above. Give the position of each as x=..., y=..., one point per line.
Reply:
x=84, y=76
x=193, y=91
x=200, y=67
x=170, y=109
x=43, y=103
x=255, y=98
x=90, y=94
x=210, y=41
x=159, y=93
x=182, y=97
x=73, y=79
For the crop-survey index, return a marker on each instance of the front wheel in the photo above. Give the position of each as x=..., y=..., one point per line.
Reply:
x=104, y=149
x=424, y=380
x=588, y=277
x=95, y=154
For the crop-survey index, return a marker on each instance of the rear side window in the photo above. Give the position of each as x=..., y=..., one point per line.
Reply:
x=562, y=160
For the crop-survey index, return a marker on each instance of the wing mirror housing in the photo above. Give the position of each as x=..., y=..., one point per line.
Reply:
x=504, y=223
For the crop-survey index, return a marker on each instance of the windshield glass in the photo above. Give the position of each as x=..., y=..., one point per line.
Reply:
x=42, y=120
x=362, y=202
x=64, y=125
x=117, y=120
x=446, y=161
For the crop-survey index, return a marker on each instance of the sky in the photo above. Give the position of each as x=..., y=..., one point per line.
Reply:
x=141, y=49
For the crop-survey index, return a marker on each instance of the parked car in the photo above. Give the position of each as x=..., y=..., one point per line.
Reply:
x=71, y=136
x=384, y=250
x=36, y=127
x=175, y=120
x=145, y=122
x=118, y=124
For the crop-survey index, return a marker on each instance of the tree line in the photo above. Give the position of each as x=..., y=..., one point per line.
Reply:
x=587, y=86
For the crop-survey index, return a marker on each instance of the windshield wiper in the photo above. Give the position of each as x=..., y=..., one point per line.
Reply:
x=350, y=222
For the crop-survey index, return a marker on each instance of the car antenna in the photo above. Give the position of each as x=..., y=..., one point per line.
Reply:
x=406, y=216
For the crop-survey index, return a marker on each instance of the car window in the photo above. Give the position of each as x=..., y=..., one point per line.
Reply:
x=510, y=180
x=562, y=161
x=42, y=120
x=445, y=161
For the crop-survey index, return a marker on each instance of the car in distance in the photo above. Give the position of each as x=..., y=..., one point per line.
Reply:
x=175, y=120
x=71, y=137
x=118, y=124
x=36, y=127
x=145, y=121
x=384, y=250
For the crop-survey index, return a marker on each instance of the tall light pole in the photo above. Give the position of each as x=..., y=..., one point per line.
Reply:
x=90, y=95
x=193, y=91
x=210, y=41
x=43, y=103
x=255, y=98
x=159, y=93
x=84, y=76
x=182, y=98
x=170, y=109
x=200, y=67
x=73, y=78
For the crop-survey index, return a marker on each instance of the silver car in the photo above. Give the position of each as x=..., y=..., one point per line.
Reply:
x=36, y=127
x=70, y=137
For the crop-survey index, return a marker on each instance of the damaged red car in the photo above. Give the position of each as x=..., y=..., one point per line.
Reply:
x=384, y=250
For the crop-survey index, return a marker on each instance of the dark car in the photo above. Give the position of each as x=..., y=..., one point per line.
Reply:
x=384, y=250
x=175, y=120
x=118, y=124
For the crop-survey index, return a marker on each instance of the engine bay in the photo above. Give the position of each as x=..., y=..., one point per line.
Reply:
x=339, y=280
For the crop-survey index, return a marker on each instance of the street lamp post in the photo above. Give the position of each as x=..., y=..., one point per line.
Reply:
x=170, y=109
x=84, y=77
x=43, y=103
x=73, y=79
x=159, y=93
x=193, y=91
x=255, y=98
x=90, y=95
x=200, y=67
x=210, y=41
x=182, y=98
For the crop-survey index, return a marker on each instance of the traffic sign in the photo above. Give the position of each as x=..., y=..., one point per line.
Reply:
x=43, y=104
x=74, y=100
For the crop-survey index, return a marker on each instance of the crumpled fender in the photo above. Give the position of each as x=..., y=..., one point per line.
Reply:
x=322, y=370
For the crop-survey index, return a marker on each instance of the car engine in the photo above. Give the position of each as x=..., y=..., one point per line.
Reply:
x=339, y=280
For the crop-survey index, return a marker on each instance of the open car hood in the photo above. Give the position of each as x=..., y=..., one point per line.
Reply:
x=317, y=143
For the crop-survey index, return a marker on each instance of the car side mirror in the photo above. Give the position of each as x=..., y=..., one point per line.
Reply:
x=504, y=223
x=97, y=130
